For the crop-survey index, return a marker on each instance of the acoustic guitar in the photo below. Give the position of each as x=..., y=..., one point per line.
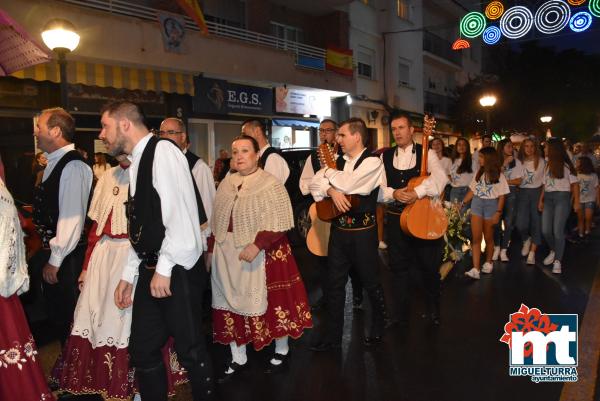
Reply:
x=426, y=218
x=326, y=209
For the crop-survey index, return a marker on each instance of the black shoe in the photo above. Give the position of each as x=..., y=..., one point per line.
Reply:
x=323, y=346
x=284, y=359
x=373, y=340
x=236, y=370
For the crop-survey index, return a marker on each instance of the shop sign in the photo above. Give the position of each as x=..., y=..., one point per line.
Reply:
x=302, y=101
x=222, y=97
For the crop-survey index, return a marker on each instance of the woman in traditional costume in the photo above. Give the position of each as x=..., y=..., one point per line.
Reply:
x=95, y=359
x=258, y=294
x=21, y=377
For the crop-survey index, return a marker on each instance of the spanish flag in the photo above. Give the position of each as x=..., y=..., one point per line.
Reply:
x=193, y=10
x=339, y=60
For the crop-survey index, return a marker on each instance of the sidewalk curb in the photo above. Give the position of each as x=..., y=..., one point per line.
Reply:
x=589, y=349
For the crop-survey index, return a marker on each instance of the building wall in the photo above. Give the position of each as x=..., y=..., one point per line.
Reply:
x=121, y=40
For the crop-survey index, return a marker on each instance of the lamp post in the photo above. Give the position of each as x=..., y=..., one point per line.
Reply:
x=487, y=102
x=60, y=37
x=546, y=120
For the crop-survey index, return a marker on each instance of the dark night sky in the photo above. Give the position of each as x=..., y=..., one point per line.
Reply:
x=588, y=41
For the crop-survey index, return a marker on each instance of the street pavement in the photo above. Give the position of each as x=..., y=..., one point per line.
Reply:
x=462, y=359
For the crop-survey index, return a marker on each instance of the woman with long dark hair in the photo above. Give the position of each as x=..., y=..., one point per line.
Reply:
x=461, y=170
x=529, y=222
x=560, y=186
x=486, y=191
x=513, y=172
x=589, y=194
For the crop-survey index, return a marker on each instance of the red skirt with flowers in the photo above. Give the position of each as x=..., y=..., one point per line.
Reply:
x=288, y=311
x=82, y=369
x=21, y=377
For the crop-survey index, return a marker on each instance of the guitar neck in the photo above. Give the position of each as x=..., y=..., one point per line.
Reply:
x=424, y=153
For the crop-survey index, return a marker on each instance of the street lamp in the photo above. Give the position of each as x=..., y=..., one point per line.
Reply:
x=547, y=120
x=60, y=36
x=487, y=102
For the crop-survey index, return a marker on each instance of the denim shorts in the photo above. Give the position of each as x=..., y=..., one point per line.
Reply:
x=588, y=205
x=485, y=208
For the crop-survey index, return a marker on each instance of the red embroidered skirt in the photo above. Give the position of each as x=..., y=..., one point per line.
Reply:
x=21, y=377
x=82, y=369
x=288, y=311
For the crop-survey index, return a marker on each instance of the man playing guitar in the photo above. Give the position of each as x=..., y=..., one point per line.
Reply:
x=353, y=241
x=327, y=133
x=402, y=163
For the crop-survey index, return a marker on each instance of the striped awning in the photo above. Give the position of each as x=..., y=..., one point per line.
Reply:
x=79, y=72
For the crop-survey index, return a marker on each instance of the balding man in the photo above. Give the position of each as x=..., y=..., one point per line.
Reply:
x=60, y=206
x=175, y=130
x=270, y=160
x=164, y=231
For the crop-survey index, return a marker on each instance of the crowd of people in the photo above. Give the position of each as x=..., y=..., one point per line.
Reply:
x=164, y=235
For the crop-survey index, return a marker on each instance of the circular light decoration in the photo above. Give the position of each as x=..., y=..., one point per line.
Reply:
x=580, y=21
x=576, y=2
x=552, y=16
x=516, y=22
x=595, y=8
x=472, y=24
x=460, y=44
x=491, y=35
x=494, y=10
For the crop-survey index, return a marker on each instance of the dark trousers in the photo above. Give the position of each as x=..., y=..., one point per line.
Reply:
x=353, y=249
x=60, y=299
x=357, y=288
x=179, y=316
x=406, y=252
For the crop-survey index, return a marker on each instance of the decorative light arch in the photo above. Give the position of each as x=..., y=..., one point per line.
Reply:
x=552, y=16
x=594, y=6
x=494, y=10
x=580, y=21
x=472, y=24
x=460, y=44
x=492, y=35
x=516, y=22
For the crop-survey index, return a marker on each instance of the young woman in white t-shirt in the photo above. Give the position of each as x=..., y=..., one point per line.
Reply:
x=461, y=170
x=486, y=194
x=560, y=184
x=529, y=218
x=589, y=194
x=513, y=172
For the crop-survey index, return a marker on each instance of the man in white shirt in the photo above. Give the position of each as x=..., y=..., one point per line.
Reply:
x=353, y=241
x=327, y=132
x=164, y=231
x=270, y=160
x=60, y=207
x=175, y=130
x=402, y=163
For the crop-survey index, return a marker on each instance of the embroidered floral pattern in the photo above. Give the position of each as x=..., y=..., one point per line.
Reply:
x=359, y=221
x=18, y=354
x=281, y=253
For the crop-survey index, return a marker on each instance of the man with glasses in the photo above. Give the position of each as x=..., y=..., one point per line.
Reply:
x=174, y=129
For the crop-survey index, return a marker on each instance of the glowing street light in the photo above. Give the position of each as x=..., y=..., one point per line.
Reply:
x=60, y=36
x=487, y=102
x=546, y=119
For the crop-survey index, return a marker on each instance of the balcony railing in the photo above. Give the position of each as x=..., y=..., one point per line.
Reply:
x=305, y=55
x=439, y=104
x=441, y=48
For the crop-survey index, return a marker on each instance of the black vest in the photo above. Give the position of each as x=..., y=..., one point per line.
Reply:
x=364, y=214
x=192, y=159
x=399, y=178
x=268, y=152
x=45, y=201
x=144, y=214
